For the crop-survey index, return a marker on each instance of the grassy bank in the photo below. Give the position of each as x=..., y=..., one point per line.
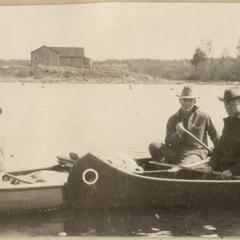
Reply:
x=98, y=74
x=144, y=71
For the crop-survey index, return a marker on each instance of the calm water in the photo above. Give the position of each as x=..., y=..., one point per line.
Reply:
x=42, y=121
x=213, y=222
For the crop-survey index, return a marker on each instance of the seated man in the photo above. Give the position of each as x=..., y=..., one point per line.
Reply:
x=180, y=148
x=226, y=155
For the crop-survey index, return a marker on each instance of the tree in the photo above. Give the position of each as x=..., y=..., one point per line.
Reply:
x=238, y=48
x=198, y=57
x=206, y=46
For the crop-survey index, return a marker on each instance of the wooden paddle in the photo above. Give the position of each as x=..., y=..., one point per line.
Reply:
x=175, y=168
x=178, y=167
x=200, y=142
x=20, y=179
x=193, y=164
x=195, y=138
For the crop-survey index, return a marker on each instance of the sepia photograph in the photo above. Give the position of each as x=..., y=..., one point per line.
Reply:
x=120, y=120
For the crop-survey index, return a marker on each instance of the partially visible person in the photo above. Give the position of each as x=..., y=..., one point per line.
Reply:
x=2, y=156
x=179, y=147
x=226, y=157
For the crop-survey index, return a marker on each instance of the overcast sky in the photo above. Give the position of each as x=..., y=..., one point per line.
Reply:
x=117, y=30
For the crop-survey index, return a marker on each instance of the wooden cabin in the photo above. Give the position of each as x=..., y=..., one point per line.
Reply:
x=60, y=56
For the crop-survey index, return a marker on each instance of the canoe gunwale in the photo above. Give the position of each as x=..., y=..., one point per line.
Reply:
x=34, y=186
x=162, y=179
x=27, y=187
x=178, y=180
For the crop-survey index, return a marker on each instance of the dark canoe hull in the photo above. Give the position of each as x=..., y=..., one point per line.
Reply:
x=24, y=198
x=118, y=188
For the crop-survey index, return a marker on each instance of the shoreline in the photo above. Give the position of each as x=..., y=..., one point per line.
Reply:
x=102, y=74
x=47, y=80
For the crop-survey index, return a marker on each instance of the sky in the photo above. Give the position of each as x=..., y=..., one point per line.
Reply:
x=121, y=30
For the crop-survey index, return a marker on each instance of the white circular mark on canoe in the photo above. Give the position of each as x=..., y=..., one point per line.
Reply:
x=90, y=176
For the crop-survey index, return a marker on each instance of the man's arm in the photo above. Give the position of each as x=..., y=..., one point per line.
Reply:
x=212, y=132
x=173, y=137
x=235, y=169
x=216, y=156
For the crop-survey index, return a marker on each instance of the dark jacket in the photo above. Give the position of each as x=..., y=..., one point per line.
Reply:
x=198, y=123
x=227, y=152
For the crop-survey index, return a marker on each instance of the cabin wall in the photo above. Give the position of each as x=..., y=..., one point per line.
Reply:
x=74, y=61
x=44, y=56
x=48, y=57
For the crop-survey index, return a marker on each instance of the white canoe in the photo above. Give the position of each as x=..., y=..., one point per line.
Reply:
x=46, y=191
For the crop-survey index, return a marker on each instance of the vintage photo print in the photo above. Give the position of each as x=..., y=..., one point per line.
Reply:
x=120, y=120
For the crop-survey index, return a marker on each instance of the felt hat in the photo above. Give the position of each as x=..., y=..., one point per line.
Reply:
x=187, y=93
x=230, y=94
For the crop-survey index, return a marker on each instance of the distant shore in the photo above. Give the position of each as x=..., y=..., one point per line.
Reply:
x=106, y=81
x=98, y=75
x=50, y=80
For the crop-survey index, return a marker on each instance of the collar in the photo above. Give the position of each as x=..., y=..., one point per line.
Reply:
x=237, y=116
x=194, y=109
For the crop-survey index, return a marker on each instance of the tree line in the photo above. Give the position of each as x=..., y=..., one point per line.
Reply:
x=202, y=66
x=205, y=69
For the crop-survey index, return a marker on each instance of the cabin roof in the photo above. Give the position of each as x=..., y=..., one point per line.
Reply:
x=66, y=51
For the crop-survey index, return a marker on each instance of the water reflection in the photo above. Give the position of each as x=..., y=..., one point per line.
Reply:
x=36, y=224
x=156, y=222
x=210, y=222
x=85, y=127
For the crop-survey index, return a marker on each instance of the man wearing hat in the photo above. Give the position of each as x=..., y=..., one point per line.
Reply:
x=226, y=157
x=180, y=148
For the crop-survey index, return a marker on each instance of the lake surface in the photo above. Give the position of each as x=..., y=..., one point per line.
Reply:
x=41, y=121
x=208, y=222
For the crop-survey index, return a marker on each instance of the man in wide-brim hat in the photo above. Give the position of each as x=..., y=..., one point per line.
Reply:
x=226, y=157
x=181, y=148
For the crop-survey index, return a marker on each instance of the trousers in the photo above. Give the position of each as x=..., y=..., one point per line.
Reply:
x=163, y=153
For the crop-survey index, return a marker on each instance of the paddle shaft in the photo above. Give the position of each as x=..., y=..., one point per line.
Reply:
x=19, y=178
x=188, y=168
x=195, y=138
x=200, y=142
x=179, y=166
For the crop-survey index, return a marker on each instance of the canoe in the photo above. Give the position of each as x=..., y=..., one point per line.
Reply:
x=33, y=190
x=96, y=183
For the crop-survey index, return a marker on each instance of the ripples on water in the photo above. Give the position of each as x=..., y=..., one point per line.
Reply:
x=196, y=222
